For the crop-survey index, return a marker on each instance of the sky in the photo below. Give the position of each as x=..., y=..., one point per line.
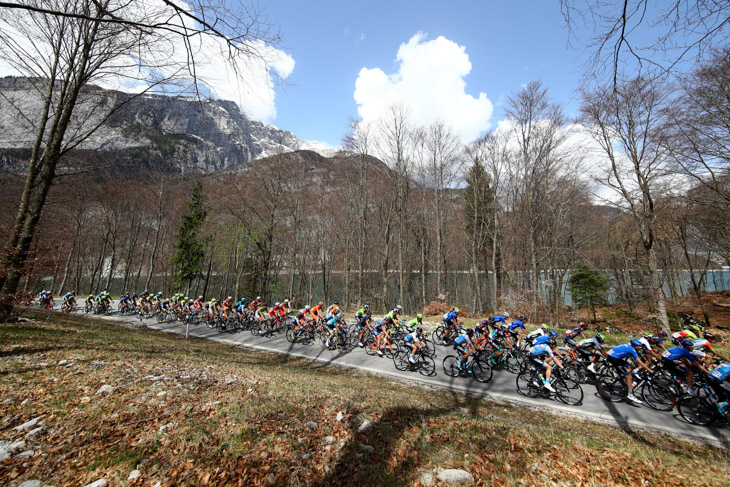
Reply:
x=458, y=61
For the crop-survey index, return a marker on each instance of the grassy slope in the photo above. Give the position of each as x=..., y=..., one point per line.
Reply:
x=234, y=416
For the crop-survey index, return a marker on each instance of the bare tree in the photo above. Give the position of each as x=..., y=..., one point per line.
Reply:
x=63, y=47
x=679, y=30
x=626, y=122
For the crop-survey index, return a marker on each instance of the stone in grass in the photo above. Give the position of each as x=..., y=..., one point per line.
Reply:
x=98, y=483
x=30, y=483
x=105, y=389
x=329, y=439
x=134, y=474
x=366, y=425
x=28, y=425
x=454, y=476
x=340, y=416
x=312, y=425
x=33, y=432
x=426, y=479
x=26, y=454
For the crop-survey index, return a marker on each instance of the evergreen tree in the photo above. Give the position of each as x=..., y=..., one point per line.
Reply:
x=190, y=244
x=588, y=288
x=479, y=199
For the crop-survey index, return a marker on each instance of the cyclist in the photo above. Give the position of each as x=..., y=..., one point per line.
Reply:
x=673, y=357
x=571, y=334
x=541, y=340
x=261, y=316
x=451, y=321
x=587, y=347
x=542, y=331
x=69, y=299
x=463, y=344
x=702, y=349
x=392, y=318
x=516, y=328
x=648, y=341
x=362, y=315
x=333, y=309
x=481, y=329
x=301, y=318
x=415, y=322
x=617, y=357
x=317, y=310
x=720, y=383
x=500, y=318
x=540, y=356
x=89, y=302
x=333, y=324
x=413, y=341
x=379, y=331
x=257, y=303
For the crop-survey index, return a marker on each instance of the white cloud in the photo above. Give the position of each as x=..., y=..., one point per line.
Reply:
x=246, y=80
x=430, y=82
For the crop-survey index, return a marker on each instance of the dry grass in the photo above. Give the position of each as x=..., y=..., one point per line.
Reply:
x=196, y=412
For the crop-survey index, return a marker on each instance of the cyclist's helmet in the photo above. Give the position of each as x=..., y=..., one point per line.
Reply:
x=470, y=332
x=399, y=308
x=277, y=303
x=320, y=303
x=73, y=292
x=337, y=303
x=600, y=338
x=286, y=300
x=506, y=314
x=648, y=335
x=663, y=335
x=190, y=301
x=686, y=343
x=636, y=343
x=545, y=328
x=339, y=315
x=708, y=336
x=552, y=342
x=230, y=297
x=259, y=298
x=455, y=310
x=366, y=307
x=419, y=316
x=200, y=297
x=419, y=331
x=307, y=307
x=583, y=324
x=552, y=333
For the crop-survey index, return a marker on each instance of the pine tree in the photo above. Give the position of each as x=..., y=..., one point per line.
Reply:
x=190, y=244
x=588, y=288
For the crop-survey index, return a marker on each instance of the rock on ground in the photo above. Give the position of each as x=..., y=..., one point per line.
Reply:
x=454, y=476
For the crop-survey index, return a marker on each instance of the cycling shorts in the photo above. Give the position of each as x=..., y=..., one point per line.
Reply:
x=674, y=368
x=618, y=362
x=570, y=341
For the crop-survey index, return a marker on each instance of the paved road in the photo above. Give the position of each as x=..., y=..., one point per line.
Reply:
x=502, y=386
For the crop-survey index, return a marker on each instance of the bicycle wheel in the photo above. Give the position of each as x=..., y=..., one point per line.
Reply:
x=391, y=349
x=426, y=365
x=611, y=388
x=450, y=367
x=400, y=360
x=481, y=370
x=527, y=383
x=291, y=335
x=429, y=348
x=568, y=391
x=657, y=396
x=696, y=410
x=438, y=336
x=343, y=342
x=511, y=362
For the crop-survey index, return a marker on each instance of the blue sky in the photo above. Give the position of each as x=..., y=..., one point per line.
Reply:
x=507, y=43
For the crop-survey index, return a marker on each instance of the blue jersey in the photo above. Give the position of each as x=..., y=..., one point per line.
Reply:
x=450, y=316
x=574, y=332
x=516, y=324
x=462, y=340
x=542, y=340
x=498, y=319
x=721, y=372
x=410, y=338
x=678, y=353
x=541, y=350
x=623, y=351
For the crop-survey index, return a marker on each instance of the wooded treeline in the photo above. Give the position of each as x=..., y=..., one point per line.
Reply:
x=411, y=215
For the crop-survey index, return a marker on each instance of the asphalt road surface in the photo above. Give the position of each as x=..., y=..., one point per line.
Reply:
x=502, y=386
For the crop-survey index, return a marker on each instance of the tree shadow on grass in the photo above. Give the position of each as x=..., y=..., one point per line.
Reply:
x=390, y=463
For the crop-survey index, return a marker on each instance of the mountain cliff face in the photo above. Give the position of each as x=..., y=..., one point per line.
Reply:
x=160, y=132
